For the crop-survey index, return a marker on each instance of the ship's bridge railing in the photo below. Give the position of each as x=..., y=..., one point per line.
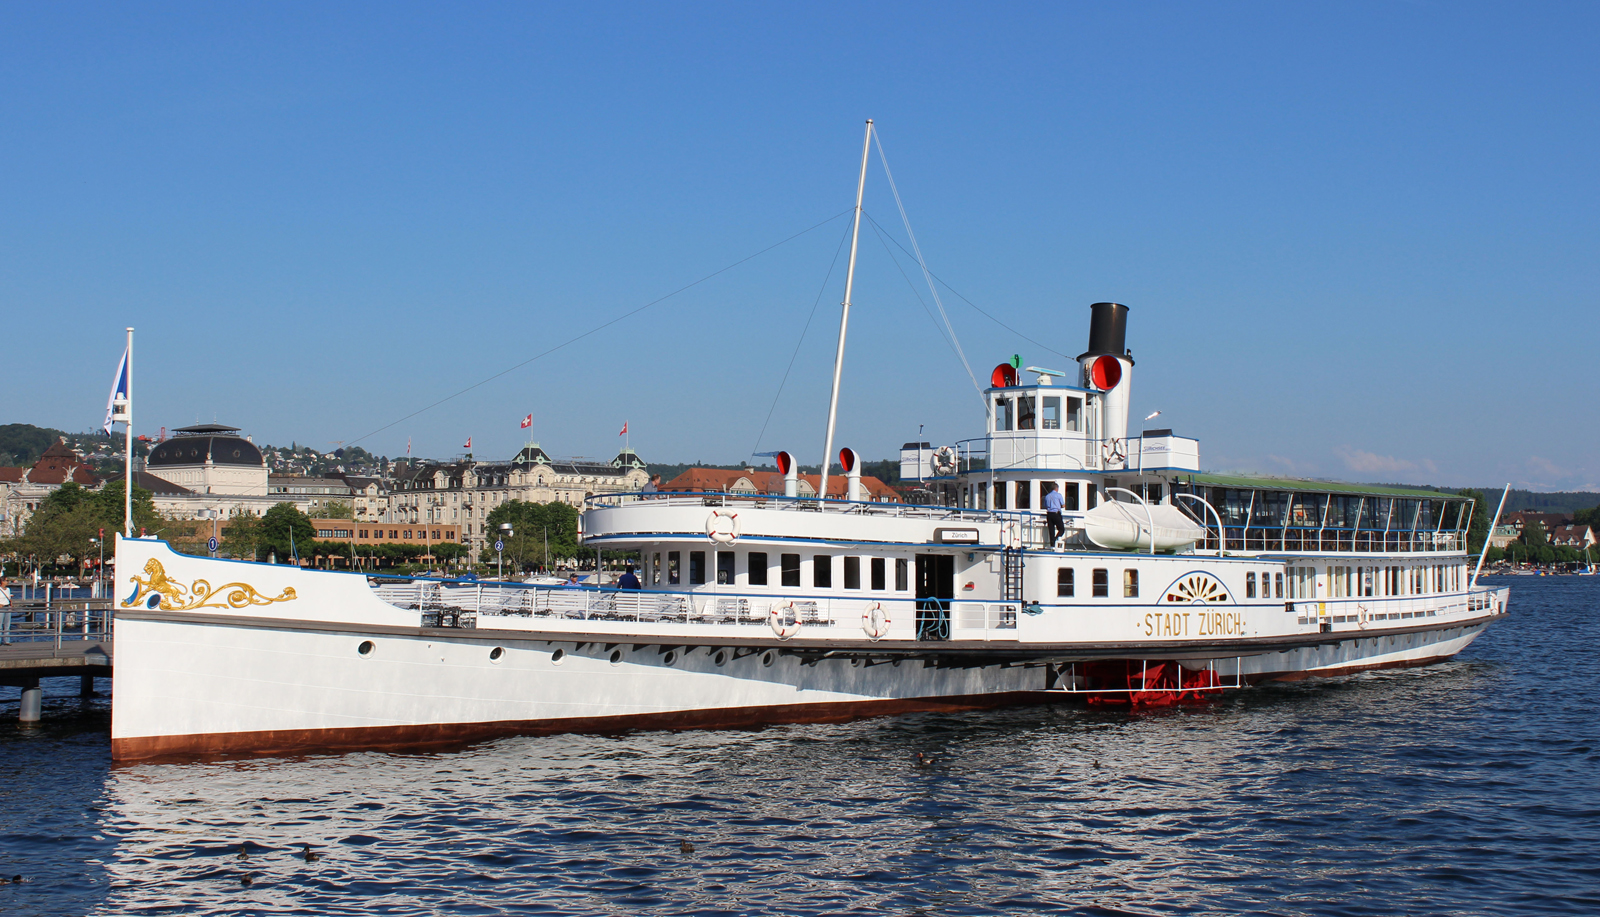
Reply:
x=795, y=504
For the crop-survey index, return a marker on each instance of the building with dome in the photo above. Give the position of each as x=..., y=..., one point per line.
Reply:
x=210, y=458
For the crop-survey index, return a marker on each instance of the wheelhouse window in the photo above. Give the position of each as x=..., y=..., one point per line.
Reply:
x=879, y=582
x=1102, y=582
x=852, y=573
x=1050, y=412
x=756, y=568
x=902, y=574
x=790, y=570
x=672, y=568
x=724, y=568
x=1130, y=584
x=1025, y=416
x=822, y=571
x=1002, y=414
x=1074, y=411
x=1064, y=582
x=697, y=568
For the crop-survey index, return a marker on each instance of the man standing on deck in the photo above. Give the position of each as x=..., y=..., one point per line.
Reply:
x=1052, y=513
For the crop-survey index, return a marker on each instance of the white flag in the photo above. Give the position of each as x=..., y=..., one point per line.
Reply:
x=119, y=391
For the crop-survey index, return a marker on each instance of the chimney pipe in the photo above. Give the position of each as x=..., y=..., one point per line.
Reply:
x=851, y=463
x=791, y=474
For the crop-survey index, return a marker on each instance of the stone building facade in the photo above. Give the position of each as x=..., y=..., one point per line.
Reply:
x=466, y=492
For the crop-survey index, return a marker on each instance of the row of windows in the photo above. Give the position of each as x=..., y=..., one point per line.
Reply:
x=1357, y=582
x=394, y=534
x=1045, y=414
x=667, y=569
x=1100, y=582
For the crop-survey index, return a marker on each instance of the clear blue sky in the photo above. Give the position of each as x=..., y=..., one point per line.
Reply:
x=1358, y=240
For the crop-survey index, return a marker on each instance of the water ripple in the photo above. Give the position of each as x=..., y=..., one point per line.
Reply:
x=1465, y=788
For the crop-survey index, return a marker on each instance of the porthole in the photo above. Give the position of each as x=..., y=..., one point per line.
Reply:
x=366, y=647
x=558, y=657
x=721, y=658
x=670, y=657
x=616, y=657
x=497, y=654
x=768, y=658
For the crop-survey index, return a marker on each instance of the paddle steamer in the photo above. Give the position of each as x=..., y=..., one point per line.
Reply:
x=1167, y=585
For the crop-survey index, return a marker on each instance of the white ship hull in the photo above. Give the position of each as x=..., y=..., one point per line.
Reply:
x=305, y=660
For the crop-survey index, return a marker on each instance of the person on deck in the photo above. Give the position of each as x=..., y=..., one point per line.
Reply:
x=1052, y=513
x=654, y=485
x=628, y=580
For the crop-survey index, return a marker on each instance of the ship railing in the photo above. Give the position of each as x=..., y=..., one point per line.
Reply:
x=970, y=619
x=737, y=499
x=1312, y=539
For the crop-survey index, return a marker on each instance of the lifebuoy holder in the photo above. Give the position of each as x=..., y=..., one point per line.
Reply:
x=784, y=619
x=1011, y=534
x=875, y=622
x=722, y=527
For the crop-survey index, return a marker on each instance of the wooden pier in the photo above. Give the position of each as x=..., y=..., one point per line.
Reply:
x=52, y=641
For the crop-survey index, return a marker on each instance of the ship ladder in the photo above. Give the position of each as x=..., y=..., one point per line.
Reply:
x=1011, y=567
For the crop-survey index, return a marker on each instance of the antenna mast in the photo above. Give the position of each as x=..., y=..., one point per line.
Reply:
x=844, y=320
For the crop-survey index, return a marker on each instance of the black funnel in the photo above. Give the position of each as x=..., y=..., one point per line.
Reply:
x=1108, y=330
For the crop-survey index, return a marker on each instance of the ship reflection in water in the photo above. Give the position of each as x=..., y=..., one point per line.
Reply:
x=1418, y=791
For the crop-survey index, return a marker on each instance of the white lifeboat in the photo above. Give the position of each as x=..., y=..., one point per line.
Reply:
x=1122, y=526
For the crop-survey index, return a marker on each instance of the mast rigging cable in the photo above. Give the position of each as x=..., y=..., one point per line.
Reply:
x=598, y=328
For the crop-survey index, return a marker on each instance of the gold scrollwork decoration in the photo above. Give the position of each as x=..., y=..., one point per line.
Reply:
x=170, y=595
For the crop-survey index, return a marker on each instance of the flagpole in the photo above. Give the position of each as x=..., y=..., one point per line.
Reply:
x=127, y=479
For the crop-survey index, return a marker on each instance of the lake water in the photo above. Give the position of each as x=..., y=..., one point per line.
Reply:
x=1471, y=787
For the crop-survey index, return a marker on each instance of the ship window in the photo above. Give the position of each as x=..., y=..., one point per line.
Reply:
x=1024, y=495
x=1050, y=412
x=791, y=569
x=1069, y=496
x=822, y=571
x=655, y=569
x=902, y=574
x=983, y=495
x=1000, y=494
x=1002, y=414
x=1278, y=578
x=1094, y=496
x=756, y=564
x=1025, y=412
x=878, y=579
x=1130, y=584
x=1102, y=583
x=724, y=568
x=697, y=568
x=672, y=568
x=852, y=573
x=1249, y=585
x=1064, y=581
x=1074, y=409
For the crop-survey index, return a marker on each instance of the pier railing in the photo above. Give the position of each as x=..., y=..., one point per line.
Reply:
x=69, y=621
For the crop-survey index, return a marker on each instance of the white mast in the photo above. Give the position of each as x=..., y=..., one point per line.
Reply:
x=1489, y=538
x=844, y=319
x=127, y=478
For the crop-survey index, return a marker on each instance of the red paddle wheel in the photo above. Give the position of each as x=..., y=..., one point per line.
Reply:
x=1149, y=684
